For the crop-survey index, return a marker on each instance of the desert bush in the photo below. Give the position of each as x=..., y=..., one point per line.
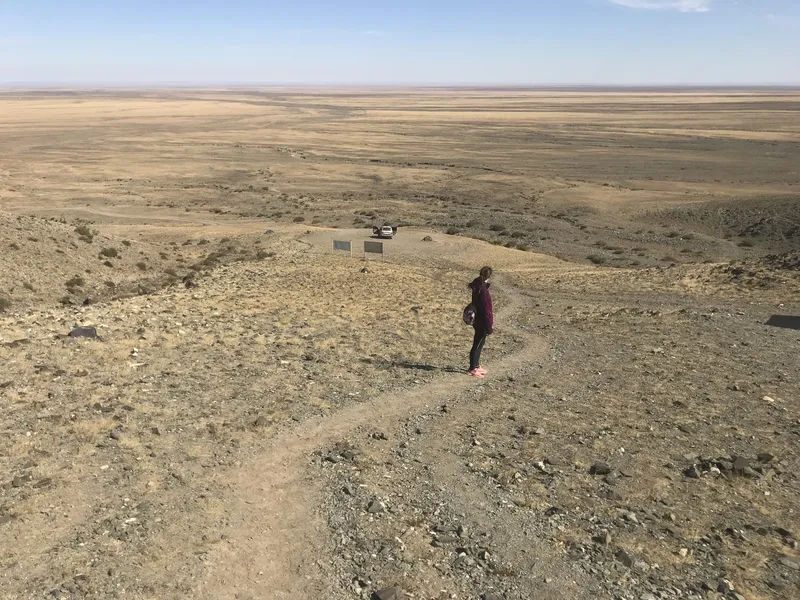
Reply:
x=75, y=282
x=109, y=252
x=597, y=259
x=523, y=247
x=32, y=239
x=108, y=263
x=187, y=243
x=262, y=254
x=689, y=236
x=171, y=272
x=453, y=231
x=670, y=259
x=13, y=246
x=673, y=234
x=28, y=286
x=299, y=219
x=110, y=284
x=517, y=234
x=5, y=304
x=496, y=227
x=65, y=301
x=163, y=255
x=142, y=265
x=85, y=233
x=746, y=244
x=473, y=223
x=127, y=243
x=619, y=251
x=203, y=242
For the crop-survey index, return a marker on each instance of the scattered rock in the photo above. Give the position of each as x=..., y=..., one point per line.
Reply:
x=375, y=506
x=261, y=421
x=84, y=332
x=600, y=468
x=790, y=564
x=765, y=457
x=5, y=519
x=388, y=594
x=427, y=238
x=604, y=538
x=625, y=558
x=491, y=596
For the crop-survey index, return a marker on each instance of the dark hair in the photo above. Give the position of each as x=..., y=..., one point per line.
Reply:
x=486, y=273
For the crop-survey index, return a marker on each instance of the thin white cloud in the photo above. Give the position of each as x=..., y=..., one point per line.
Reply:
x=679, y=5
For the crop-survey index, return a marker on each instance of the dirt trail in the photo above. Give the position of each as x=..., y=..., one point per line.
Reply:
x=276, y=539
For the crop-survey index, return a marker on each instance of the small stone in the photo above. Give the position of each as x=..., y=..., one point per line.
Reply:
x=790, y=564
x=693, y=472
x=18, y=481
x=625, y=558
x=155, y=431
x=683, y=552
x=388, y=594
x=604, y=538
x=87, y=332
x=766, y=457
x=261, y=421
x=740, y=463
x=600, y=468
x=768, y=400
x=115, y=434
x=725, y=587
x=5, y=519
x=43, y=483
x=375, y=506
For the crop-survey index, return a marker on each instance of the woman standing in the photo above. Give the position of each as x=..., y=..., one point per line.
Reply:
x=484, y=319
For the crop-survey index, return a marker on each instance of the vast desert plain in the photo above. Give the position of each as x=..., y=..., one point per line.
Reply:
x=262, y=417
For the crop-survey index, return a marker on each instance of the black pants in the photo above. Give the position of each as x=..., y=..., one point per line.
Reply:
x=477, y=346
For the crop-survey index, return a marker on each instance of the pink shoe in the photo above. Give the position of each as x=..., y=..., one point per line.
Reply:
x=480, y=369
x=476, y=373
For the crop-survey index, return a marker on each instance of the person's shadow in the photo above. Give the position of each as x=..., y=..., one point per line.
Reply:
x=423, y=367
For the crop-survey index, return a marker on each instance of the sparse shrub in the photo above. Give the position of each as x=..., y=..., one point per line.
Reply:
x=673, y=234
x=473, y=223
x=142, y=265
x=689, y=236
x=126, y=243
x=639, y=249
x=299, y=219
x=110, y=284
x=5, y=304
x=187, y=243
x=518, y=234
x=619, y=251
x=669, y=259
x=496, y=227
x=108, y=263
x=75, y=282
x=523, y=247
x=262, y=254
x=202, y=242
x=746, y=244
x=28, y=286
x=65, y=300
x=109, y=252
x=163, y=255
x=635, y=263
x=453, y=231
x=32, y=239
x=171, y=272
x=13, y=246
x=85, y=233
x=597, y=259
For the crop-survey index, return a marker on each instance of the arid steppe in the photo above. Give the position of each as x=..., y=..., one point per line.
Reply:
x=261, y=417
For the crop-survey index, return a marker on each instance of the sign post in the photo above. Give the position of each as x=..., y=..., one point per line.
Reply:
x=344, y=246
x=373, y=248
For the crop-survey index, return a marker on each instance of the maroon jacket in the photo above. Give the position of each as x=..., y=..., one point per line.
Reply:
x=482, y=299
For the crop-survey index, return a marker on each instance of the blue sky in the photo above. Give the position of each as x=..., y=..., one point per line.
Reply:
x=410, y=42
